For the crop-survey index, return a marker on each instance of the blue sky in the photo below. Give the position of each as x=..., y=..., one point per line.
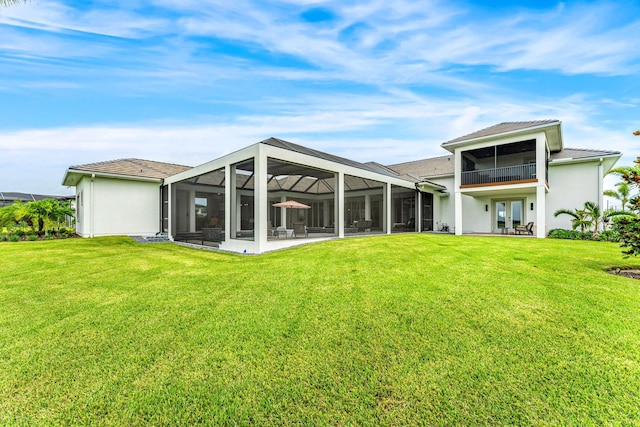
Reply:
x=187, y=81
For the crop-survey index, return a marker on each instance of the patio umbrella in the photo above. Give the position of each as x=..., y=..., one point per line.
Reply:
x=291, y=204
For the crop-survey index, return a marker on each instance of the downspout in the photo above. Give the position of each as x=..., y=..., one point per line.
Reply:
x=93, y=176
x=600, y=187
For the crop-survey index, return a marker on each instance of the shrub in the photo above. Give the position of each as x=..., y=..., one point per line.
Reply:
x=609, y=236
x=32, y=237
x=605, y=236
x=14, y=238
x=560, y=233
x=4, y=238
x=628, y=228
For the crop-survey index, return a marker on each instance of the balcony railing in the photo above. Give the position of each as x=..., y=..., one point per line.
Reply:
x=500, y=175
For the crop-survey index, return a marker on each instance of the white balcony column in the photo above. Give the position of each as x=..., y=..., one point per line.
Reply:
x=457, y=181
x=541, y=193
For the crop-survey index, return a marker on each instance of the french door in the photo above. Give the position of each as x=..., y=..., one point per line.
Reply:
x=508, y=214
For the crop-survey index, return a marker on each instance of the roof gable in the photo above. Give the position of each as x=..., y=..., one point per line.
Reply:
x=510, y=128
x=126, y=168
x=132, y=167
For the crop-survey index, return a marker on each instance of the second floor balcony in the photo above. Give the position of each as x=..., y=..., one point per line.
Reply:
x=501, y=175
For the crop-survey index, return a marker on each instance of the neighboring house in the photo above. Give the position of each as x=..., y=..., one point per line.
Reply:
x=495, y=179
x=7, y=198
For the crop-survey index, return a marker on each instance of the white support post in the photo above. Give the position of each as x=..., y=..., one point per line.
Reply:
x=260, y=195
x=387, y=207
x=229, y=198
x=170, y=210
x=283, y=213
x=340, y=203
x=367, y=207
x=192, y=210
x=418, y=211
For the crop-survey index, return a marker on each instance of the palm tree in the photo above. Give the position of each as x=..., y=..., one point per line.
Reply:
x=590, y=217
x=13, y=214
x=8, y=2
x=579, y=218
x=622, y=194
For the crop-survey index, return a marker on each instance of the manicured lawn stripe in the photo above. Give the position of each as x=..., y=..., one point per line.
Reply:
x=391, y=330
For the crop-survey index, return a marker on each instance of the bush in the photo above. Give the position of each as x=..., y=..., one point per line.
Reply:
x=628, y=228
x=14, y=238
x=605, y=236
x=609, y=236
x=560, y=233
x=32, y=237
x=4, y=238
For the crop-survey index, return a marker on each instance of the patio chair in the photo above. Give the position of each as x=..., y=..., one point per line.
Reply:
x=299, y=229
x=282, y=231
x=520, y=229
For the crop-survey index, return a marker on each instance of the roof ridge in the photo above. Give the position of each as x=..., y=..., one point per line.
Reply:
x=419, y=160
x=590, y=149
x=483, y=132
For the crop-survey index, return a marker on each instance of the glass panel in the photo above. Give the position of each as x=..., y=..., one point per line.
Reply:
x=313, y=187
x=243, y=205
x=403, y=209
x=501, y=214
x=516, y=213
x=362, y=205
x=427, y=212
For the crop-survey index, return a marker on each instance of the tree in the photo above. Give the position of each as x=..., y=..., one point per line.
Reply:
x=590, y=217
x=622, y=194
x=8, y=2
x=579, y=218
x=13, y=214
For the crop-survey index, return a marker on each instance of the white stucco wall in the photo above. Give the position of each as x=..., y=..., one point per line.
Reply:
x=443, y=207
x=118, y=207
x=570, y=185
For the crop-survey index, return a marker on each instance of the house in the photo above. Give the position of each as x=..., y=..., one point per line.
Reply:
x=8, y=198
x=493, y=180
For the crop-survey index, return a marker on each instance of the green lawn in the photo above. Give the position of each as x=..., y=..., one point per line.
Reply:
x=392, y=330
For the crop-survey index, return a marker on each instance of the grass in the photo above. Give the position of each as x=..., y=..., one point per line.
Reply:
x=391, y=330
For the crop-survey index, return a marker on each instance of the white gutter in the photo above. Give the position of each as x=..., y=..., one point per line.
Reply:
x=110, y=175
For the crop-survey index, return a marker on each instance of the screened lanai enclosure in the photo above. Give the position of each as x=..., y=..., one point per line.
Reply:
x=232, y=201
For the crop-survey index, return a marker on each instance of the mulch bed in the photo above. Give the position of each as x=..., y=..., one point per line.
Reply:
x=632, y=273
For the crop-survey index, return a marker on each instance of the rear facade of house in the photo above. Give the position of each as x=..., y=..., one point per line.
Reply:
x=494, y=181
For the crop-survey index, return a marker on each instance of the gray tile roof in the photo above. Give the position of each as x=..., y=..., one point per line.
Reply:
x=434, y=166
x=501, y=128
x=133, y=167
x=582, y=153
x=372, y=167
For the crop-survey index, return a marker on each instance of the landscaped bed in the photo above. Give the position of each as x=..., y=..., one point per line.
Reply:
x=390, y=330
